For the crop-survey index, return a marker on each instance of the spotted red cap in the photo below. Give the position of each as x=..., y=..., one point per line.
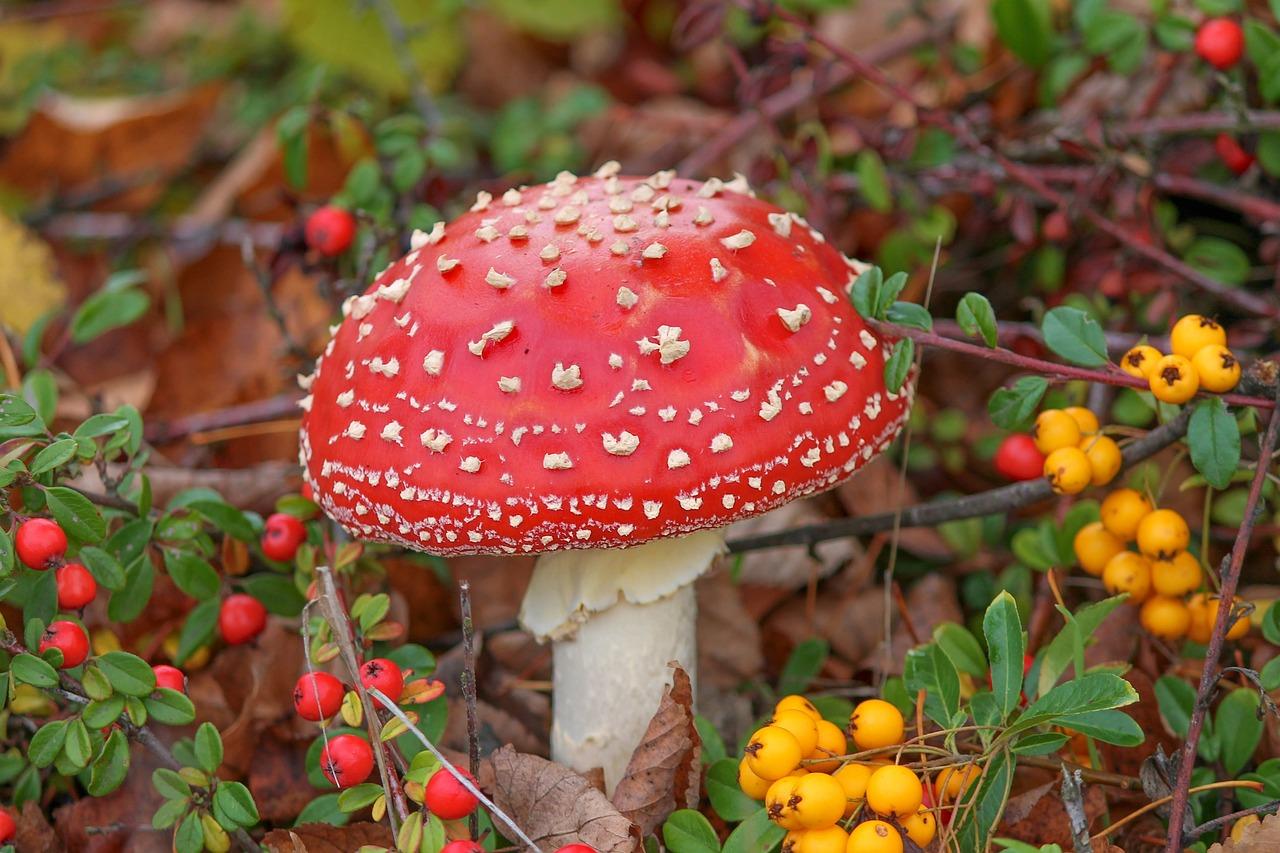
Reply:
x=594, y=363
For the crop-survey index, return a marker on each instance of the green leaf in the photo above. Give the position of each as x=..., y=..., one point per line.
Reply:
x=1093, y=691
x=865, y=293
x=1269, y=152
x=975, y=823
x=104, y=568
x=236, y=802
x=128, y=674
x=77, y=515
x=170, y=785
x=873, y=180
x=1110, y=726
x=961, y=647
x=687, y=831
x=910, y=314
x=1214, y=437
x=1075, y=336
x=15, y=412
x=78, y=748
x=191, y=574
x=927, y=668
x=170, y=707
x=189, y=836
x=208, y=747
x=1219, y=259
x=291, y=133
x=557, y=20
x=899, y=364
x=278, y=593
x=139, y=579
x=1175, y=699
x=755, y=834
x=101, y=424
x=58, y=453
x=1040, y=743
x=168, y=813
x=1175, y=33
x=26, y=668
x=197, y=630
x=713, y=748
x=110, y=767
x=1270, y=675
x=107, y=310
x=1002, y=627
x=226, y=518
x=46, y=743
x=1061, y=649
x=96, y=684
x=975, y=317
x=41, y=390
x=359, y=796
x=804, y=664
x=6, y=555
x=1238, y=728
x=1014, y=408
x=103, y=712
x=322, y=809
x=725, y=794
x=1025, y=27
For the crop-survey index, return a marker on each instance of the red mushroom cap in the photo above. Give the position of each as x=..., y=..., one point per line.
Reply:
x=593, y=363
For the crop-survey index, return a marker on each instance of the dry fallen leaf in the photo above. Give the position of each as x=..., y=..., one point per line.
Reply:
x=29, y=284
x=1038, y=816
x=664, y=772
x=555, y=806
x=1261, y=837
x=728, y=637
x=323, y=838
x=34, y=835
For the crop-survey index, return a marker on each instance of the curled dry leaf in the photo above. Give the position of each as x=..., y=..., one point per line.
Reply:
x=555, y=806
x=324, y=838
x=664, y=771
x=1261, y=837
x=1038, y=815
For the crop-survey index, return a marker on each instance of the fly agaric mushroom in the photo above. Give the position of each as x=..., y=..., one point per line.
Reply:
x=607, y=371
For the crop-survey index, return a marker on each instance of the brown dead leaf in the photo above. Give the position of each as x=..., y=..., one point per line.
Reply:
x=1038, y=816
x=663, y=773
x=34, y=834
x=728, y=637
x=853, y=625
x=1261, y=837
x=324, y=838
x=555, y=806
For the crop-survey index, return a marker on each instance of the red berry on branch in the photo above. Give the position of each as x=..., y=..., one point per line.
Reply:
x=1018, y=458
x=241, y=618
x=346, y=760
x=40, y=543
x=576, y=848
x=317, y=696
x=1233, y=155
x=69, y=638
x=462, y=846
x=447, y=798
x=76, y=587
x=1220, y=42
x=1056, y=228
x=282, y=536
x=330, y=230
x=170, y=677
x=8, y=828
x=384, y=675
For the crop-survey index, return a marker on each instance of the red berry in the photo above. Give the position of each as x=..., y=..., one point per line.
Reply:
x=1018, y=458
x=447, y=798
x=76, y=587
x=241, y=619
x=462, y=846
x=40, y=543
x=330, y=230
x=317, y=696
x=1055, y=227
x=576, y=848
x=383, y=675
x=170, y=677
x=347, y=760
x=1220, y=42
x=69, y=638
x=8, y=828
x=282, y=536
x=1235, y=157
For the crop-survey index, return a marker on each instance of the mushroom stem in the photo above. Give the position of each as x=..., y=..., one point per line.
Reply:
x=616, y=618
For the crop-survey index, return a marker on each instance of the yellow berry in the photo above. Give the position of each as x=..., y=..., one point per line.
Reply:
x=894, y=790
x=821, y=801
x=1122, y=511
x=1162, y=534
x=874, y=836
x=1165, y=617
x=751, y=784
x=796, y=702
x=1140, y=361
x=1238, y=828
x=831, y=743
x=1104, y=458
x=1173, y=380
x=792, y=840
x=876, y=723
x=1178, y=576
x=921, y=827
x=1054, y=429
x=780, y=802
x=1068, y=470
x=802, y=727
x=831, y=839
x=853, y=778
x=1202, y=614
x=954, y=781
x=1217, y=367
x=1193, y=333
x=1085, y=419
x=773, y=753
x=1094, y=546
x=1128, y=572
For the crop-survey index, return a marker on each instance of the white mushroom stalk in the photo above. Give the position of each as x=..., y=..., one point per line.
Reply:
x=606, y=371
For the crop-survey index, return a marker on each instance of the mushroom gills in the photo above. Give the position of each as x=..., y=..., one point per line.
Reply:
x=616, y=618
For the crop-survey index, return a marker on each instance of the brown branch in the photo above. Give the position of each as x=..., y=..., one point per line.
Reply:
x=1209, y=678
x=1219, y=822
x=159, y=432
x=1194, y=123
x=469, y=691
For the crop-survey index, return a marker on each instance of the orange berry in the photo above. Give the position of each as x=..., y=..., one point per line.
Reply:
x=831, y=743
x=853, y=778
x=773, y=753
x=832, y=839
x=1178, y=576
x=1165, y=617
x=1174, y=380
x=1193, y=333
x=1162, y=534
x=780, y=801
x=1068, y=470
x=1084, y=418
x=921, y=827
x=954, y=781
x=1055, y=429
x=1094, y=546
x=821, y=801
x=802, y=727
x=1140, y=361
x=894, y=790
x=1217, y=367
x=874, y=836
x=796, y=702
x=751, y=784
x=1121, y=512
x=1104, y=458
x=1128, y=572
x=876, y=723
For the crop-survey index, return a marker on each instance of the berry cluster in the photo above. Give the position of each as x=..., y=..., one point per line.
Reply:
x=1159, y=575
x=1076, y=453
x=41, y=544
x=1200, y=361
x=796, y=765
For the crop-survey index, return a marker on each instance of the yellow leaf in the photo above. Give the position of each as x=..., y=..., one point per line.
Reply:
x=29, y=284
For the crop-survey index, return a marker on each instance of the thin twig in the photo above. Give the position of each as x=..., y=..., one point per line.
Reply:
x=272, y=408
x=1219, y=822
x=1209, y=678
x=469, y=689
x=1155, y=804
x=1073, y=800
